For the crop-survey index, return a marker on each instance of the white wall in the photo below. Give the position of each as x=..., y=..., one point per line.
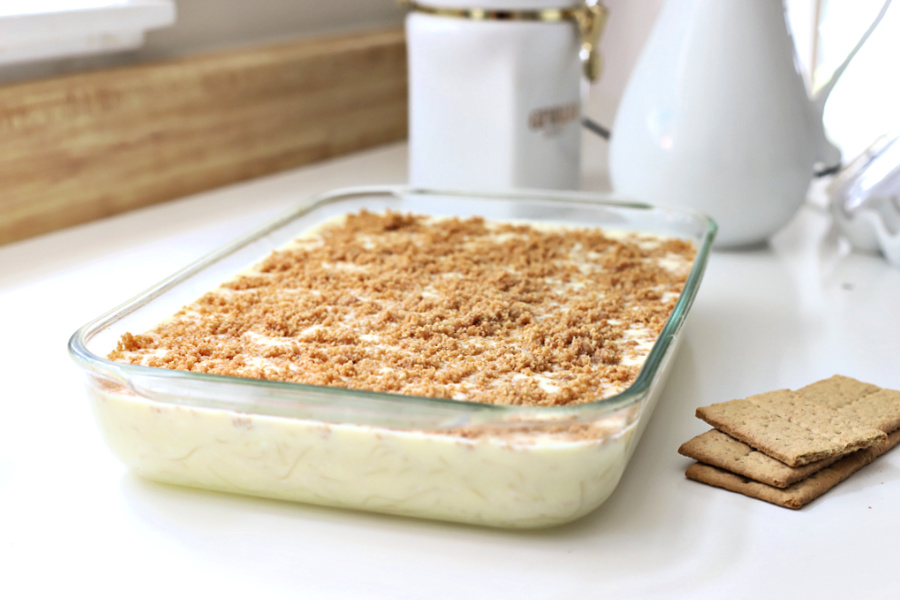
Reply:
x=206, y=25
x=212, y=24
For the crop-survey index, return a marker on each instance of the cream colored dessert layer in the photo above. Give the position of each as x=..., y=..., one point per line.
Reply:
x=437, y=475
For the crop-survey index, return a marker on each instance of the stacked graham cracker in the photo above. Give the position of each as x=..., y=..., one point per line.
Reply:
x=790, y=447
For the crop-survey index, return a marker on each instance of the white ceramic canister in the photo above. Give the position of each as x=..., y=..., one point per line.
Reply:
x=494, y=94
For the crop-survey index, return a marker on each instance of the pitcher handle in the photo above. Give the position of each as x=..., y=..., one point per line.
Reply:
x=822, y=95
x=829, y=154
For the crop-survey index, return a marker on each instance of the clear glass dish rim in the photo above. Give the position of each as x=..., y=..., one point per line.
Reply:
x=125, y=373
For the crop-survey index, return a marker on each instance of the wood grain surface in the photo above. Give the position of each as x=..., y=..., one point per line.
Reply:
x=86, y=146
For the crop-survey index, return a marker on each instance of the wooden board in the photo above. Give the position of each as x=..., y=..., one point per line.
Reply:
x=86, y=146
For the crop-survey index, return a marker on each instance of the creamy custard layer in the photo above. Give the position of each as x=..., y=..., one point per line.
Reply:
x=487, y=480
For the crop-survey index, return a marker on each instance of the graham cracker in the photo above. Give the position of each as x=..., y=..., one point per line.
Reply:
x=880, y=409
x=801, y=493
x=721, y=450
x=797, y=428
x=837, y=391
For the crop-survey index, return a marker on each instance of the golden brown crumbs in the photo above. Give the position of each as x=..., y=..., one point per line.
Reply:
x=452, y=308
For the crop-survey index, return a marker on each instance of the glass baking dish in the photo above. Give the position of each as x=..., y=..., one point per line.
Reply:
x=496, y=465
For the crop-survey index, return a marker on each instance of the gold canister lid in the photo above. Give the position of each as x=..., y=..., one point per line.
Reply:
x=590, y=18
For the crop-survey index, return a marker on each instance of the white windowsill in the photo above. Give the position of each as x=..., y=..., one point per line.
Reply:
x=46, y=29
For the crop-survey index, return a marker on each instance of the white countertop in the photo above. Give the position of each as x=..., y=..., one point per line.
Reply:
x=784, y=315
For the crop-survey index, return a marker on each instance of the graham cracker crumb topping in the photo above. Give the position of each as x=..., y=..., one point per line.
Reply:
x=466, y=309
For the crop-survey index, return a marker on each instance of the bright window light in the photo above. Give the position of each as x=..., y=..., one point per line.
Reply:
x=33, y=30
x=864, y=103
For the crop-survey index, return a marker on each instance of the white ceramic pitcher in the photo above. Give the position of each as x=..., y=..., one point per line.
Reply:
x=716, y=117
